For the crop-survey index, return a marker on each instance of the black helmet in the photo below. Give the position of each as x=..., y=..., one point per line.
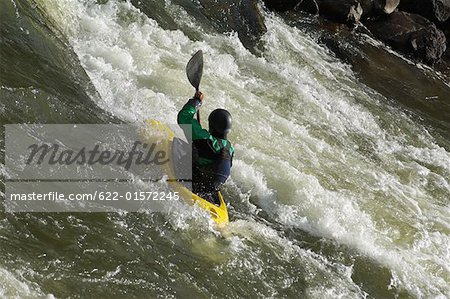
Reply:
x=219, y=123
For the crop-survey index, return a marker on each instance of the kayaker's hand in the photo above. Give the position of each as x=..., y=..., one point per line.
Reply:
x=198, y=95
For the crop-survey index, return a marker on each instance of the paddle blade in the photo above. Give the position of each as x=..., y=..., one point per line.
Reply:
x=194, y=69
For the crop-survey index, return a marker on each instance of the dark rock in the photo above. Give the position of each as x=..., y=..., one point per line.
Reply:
x=387, y=6
x=434, y=10
x=446, y=57
x=367, y=7
x=342, y=11
x=157, y=12
x=377, y=7
x=281, y=5
x=410, y=33
x=446, y=29
x=247, y=20
x=241, y=16
x=309, y=6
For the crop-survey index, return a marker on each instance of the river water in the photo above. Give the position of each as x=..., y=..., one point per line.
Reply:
x=336, y=189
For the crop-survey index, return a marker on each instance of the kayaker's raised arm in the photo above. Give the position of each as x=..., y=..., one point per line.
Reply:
x=186, y=117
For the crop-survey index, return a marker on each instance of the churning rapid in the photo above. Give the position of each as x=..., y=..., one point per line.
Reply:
x=336, y=190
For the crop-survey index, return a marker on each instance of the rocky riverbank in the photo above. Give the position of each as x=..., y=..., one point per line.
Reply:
x=419, y=29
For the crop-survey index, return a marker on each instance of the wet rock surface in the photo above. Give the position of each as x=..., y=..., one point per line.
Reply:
x=420, y=29
x=342, y=11
x=282, y=5
x=241, y=16
x=410, y=33
x=378, y=7
x=434, y=10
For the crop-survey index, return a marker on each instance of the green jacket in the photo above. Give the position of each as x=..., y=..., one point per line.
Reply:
x=186, y=117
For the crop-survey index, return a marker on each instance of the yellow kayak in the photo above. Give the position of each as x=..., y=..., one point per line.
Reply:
x=219, y=213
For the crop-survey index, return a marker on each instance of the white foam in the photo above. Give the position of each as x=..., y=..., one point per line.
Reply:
x=13, y=287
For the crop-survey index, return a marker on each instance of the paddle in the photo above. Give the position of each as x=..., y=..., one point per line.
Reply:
x=194, y=72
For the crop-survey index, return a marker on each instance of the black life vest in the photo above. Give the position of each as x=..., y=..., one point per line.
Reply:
x=217, y=172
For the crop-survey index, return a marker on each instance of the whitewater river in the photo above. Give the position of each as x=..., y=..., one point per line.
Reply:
x=336, y=190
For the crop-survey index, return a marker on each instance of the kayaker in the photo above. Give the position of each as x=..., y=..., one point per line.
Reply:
x=212, y=153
